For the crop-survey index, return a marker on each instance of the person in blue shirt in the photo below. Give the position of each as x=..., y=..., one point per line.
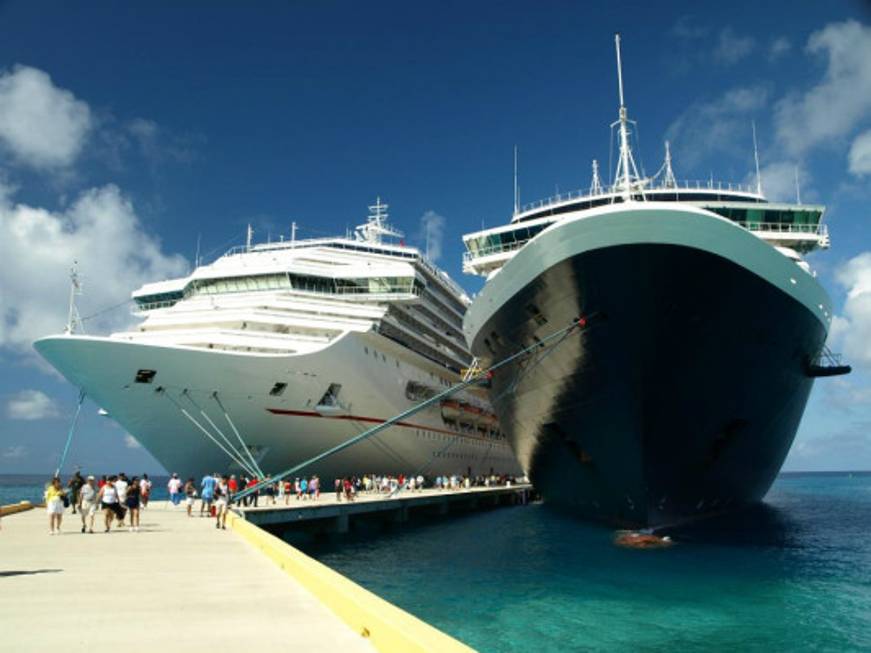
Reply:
x=207, y=492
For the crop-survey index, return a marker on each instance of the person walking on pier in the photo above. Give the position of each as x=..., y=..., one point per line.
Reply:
x=121, y=487
x=88, y=504
x=232, y=488
x=108, y=497
x=174, y=488
x=221, y=503
x=54, y=505
x=133, y=502
x=75, y=484
x=190, y=493
x=207, y=493
x=144, y=490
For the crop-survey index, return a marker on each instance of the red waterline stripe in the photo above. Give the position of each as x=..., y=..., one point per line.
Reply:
x=371, y=420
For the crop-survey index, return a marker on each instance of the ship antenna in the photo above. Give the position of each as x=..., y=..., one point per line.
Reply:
x=756, y=159
x=596, y=184
x=516, y=187
x=797, y=187
x=249, y=237
x=669, y=181
x=293, y=231
x=73, y=318
x=625, y=164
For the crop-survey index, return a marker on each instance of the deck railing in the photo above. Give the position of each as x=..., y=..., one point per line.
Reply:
x=680, y=185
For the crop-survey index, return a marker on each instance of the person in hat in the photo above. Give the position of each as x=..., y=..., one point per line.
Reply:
x=88, y=504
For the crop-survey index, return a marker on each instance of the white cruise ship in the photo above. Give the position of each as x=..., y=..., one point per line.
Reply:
x=276, y=352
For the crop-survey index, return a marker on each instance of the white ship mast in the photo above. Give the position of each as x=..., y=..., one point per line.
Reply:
x=627, y=174
x=376, y=226
x=73, y=319
x=596, y=183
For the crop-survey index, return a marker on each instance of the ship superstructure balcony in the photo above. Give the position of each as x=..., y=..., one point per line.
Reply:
x=796, y=227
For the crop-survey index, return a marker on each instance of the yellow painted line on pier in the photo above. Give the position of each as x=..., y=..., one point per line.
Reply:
x=389, y=628
x=11, y=509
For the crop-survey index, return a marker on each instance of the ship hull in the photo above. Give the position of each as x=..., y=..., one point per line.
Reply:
x=682, y=395
x=280, y=430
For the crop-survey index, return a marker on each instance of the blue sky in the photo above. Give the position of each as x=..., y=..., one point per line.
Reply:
x=130, y=130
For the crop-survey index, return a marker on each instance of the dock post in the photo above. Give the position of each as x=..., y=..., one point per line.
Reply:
x=342, y=523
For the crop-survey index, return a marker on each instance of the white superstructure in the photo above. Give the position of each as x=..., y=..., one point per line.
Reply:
x=297, y=345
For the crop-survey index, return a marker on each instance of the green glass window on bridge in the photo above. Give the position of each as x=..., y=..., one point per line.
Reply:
x=760, y=216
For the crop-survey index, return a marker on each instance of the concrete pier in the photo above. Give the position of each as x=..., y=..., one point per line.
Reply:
x=328, y=515
x=178, y=584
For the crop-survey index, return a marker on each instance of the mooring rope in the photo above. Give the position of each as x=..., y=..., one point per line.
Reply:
x=63, y=456
x=580, y=324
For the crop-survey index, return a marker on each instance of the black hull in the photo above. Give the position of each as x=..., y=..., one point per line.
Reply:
x=680, y=400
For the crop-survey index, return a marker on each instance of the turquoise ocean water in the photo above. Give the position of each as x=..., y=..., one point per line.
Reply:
x=794, y=575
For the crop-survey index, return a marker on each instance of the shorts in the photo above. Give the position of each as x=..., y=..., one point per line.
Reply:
x=55, y=507
x=208, y=498
x=220, y=503
x=132, y=502
x=89, y=508
x=189, y=501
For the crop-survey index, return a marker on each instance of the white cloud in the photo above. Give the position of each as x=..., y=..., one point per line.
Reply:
x=432, y=226
x=732, y=48
x=841, y=100
x=859, y=157
x=101, y=231
x=15, y=451
x=41, y=125
x=131, y=443
x=31, y=405
x=778, y=180
x=853, y=333
x=778, y=48
x=716, y=126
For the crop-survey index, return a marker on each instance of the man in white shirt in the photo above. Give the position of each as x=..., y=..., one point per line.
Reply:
x=121, y=486
x=174, y=486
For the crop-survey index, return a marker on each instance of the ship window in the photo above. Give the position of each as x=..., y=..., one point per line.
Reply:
x=331, y=396
x=278, y=389
x=145, y=376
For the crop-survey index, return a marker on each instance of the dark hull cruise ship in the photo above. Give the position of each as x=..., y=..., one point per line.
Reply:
x=703, y=330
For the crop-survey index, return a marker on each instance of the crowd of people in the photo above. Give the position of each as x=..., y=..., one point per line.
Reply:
x=119, y=499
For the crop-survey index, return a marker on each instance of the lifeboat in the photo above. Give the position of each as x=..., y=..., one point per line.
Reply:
x=636, y=540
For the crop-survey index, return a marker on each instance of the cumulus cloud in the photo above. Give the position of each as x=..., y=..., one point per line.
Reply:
x=101, y=231
x=778, y=48
x=432, y=226
x=31, y=405
x=732, y=48
x=859, y=157
x=778, y=180
x=715, y=126
x=832, y=108
x=853, y=332
x=14, y=452
x=41, y=125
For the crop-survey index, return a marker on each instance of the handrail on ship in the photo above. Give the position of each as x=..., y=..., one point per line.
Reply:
x=681, y=184
x=582, y=323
